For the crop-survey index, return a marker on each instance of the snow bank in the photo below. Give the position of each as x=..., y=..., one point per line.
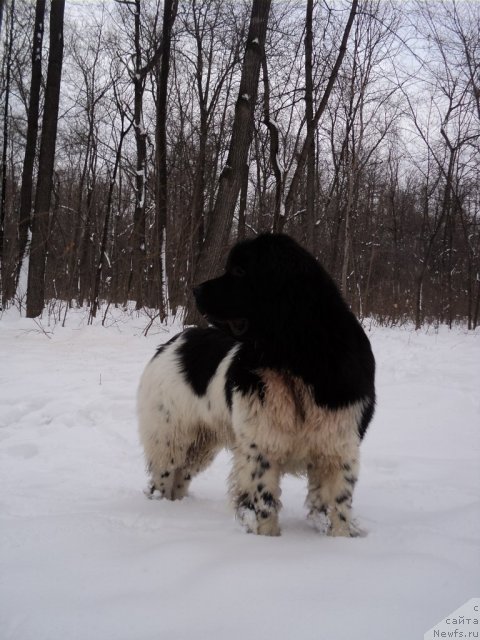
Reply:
x=84, y=555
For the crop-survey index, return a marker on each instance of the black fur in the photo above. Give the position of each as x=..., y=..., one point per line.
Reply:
x=200, y=354
x=163, y=346
x=286, y=311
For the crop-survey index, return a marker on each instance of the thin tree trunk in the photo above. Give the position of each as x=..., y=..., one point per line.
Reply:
x=419, y=317
x=106, y=227
x=243, y=204
x=197, y=228
x=40, y=222
x=309, y=226
x=2, y=4
x=292, y=192
x=26, y=193
x=476, y=307
x=220, y=223
x=348, y=213
x=137, y=275
x=3, y=195
x=197, y=217
x=86, y=248
x=274, y=143
x=75, y=259
x=169, y=14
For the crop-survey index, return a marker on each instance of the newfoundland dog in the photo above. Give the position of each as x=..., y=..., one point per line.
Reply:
x=284, y=377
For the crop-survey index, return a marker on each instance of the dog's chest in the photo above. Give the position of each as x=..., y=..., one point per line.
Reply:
x=286, y=419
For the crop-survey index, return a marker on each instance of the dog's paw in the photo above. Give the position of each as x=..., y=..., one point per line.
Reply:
x=252, y=524
x=347, y=530
x=356, y=531
x=152, y=493
x=336, y=529
x=247, y=519
x=178, y=492
x=319, y=520
x=268, y=527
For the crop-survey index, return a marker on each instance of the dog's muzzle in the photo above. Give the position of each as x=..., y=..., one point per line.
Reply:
x=237, y=326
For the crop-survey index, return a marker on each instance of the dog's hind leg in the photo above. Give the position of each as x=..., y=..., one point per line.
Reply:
x=200, y=453
x=164, y=462
x=173, y=461
x=330, y=491
x=164, y=449
x=255, y=490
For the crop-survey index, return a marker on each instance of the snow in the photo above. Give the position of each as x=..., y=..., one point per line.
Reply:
x=83, y=554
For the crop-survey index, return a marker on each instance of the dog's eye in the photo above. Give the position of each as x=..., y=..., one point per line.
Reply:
x=238, y=272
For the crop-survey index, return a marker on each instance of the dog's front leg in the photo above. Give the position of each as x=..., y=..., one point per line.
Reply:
x=255, y=490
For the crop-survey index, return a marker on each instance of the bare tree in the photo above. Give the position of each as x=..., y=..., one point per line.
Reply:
x=3, y=194
x=94, y=85
x=161, y=174
x=144, y=62
x=40, y=221
x=213, y=27
x=220, y=222
x=309, y=138
x=124, y=129
x=454, y=115
x=2, y=4
x=310, y=161
x=26, y=193
x=156, y=173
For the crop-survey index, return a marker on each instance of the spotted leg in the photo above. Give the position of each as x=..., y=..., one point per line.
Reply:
x=255, y=490
x=173, y=467
x=329, y=499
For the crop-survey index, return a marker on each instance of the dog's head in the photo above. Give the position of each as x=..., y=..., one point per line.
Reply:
x=269, y=282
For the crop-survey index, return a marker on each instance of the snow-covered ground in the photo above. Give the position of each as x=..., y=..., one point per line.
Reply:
x=84, y=555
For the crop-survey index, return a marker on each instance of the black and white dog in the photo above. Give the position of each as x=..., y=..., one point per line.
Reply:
x=285, y=378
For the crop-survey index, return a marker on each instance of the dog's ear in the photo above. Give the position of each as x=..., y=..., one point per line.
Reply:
x=282, y=294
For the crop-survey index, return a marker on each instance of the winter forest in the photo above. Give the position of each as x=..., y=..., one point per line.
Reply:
x=141, y=138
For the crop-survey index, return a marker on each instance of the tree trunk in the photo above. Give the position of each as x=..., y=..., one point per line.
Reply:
x=243, y=204
x=169, y=14
x=2, y=4
x=40, y=222
x=309, y=226
x=106, y=226
x=137, y=276
x=198, y=210
x=348, y=214
x=87, y=244
x=3, y=195
x=220, y=223
x=26, y=192
x=274, y=144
